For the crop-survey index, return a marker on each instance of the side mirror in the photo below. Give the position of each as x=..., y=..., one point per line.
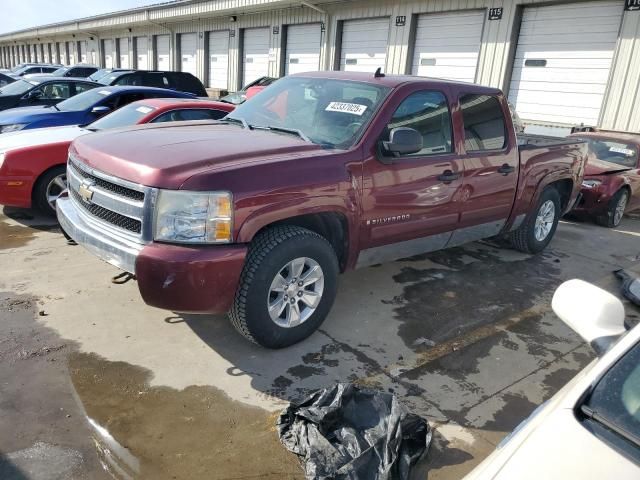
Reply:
x=403, y=141
x=100, y=110
x=33, y=95
x=591, y=312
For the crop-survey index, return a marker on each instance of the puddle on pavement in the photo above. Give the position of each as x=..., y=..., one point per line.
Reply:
x=481, y=287
x=13, y=236
x=144, y=431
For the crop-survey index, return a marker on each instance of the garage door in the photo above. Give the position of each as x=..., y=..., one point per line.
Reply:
x=364, y=44
x=83, y=52
x=255, y=62
x=72, y=53
x=62, y=57
x=562, y=61
x=447, y=45
x=142, y=54
x=162, y=52
x=303, y=48
x=107, y=48
x=123, y=52
x=218, y=59
x=188, y=52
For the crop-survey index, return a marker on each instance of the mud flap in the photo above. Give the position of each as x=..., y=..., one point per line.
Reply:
x=349, y=432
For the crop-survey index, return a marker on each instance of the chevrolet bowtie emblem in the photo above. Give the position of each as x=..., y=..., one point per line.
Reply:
x=85, y=192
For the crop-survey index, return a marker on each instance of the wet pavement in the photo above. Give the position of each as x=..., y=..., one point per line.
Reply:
x=96, y=384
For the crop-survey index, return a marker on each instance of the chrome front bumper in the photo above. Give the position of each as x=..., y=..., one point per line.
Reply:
x=113, y=249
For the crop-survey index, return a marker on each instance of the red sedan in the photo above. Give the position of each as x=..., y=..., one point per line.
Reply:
x=33, y=162
x=611, y=182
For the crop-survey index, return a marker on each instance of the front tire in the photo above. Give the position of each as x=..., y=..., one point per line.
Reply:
x=615, y=210
x=287, y=287
x=540, y=225
x=47, y=189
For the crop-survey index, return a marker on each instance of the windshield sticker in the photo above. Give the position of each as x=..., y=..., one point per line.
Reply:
x=343, y=107
x=104, y=92
x=144, y=109
x=624, y=151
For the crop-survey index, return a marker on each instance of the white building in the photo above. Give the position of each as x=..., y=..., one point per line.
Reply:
x=560, y=62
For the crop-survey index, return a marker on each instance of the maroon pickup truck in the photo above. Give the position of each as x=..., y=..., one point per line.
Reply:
x=324, y=172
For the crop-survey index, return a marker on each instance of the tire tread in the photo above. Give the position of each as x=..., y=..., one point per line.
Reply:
x=260, y=248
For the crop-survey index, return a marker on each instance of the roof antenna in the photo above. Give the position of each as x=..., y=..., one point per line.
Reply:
x=378, y=73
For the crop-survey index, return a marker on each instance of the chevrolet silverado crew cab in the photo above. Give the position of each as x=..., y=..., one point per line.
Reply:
x=257, y=214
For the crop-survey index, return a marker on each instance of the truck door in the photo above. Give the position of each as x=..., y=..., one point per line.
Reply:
x=490, y=159
x=409, y=201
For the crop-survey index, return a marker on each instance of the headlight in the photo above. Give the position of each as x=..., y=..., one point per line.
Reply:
x=193, y=217
x=12, y=128
x=591, y=183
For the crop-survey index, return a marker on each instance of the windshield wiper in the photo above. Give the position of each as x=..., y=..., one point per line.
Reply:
x=295, y=131
x=239, y=120
x=602, y=420
x=55, y=106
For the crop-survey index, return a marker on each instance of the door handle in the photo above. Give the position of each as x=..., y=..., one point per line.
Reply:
x=506, y=169
x=448, y=176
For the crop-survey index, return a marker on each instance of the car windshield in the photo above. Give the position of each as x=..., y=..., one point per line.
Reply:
x=615, y=401
x=60, y=72
x=18, y=88
x=83, y=101
x=125, y=116
x=328, y=112
x=614, y=151
x=109, y=77
x=99, y=74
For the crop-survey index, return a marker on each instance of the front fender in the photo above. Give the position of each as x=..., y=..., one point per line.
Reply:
x=296, y=207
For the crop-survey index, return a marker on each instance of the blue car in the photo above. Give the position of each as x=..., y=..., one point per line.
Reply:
x=80, y=109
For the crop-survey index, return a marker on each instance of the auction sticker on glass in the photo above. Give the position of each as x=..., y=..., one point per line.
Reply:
x=352, y=108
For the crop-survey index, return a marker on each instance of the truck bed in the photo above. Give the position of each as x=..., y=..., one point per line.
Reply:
x=535, y=141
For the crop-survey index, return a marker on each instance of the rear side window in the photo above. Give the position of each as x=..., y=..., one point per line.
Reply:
x=428, y=113
x=484, y=126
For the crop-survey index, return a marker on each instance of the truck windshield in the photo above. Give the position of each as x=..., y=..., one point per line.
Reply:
x=329, y=112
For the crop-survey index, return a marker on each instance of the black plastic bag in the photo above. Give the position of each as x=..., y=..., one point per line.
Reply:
x=630, y=286
x=349, y=432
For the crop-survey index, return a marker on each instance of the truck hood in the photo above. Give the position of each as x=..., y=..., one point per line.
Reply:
x=165, y=156
x=600, y=167
x=40, y=136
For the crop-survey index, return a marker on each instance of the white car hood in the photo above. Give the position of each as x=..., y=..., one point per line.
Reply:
x=40, y=136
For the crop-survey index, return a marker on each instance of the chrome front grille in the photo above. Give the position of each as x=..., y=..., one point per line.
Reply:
x=119, y=207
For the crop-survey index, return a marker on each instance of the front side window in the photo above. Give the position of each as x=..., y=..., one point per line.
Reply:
x=329, y=112
x=484, y=126
x=428, y=113
x=56, y=91
x=620, y=153
x=613, y=407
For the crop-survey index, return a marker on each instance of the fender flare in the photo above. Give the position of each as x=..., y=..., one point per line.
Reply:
x=294, y=208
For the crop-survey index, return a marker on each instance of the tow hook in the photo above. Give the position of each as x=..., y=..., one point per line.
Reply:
x=123, y=278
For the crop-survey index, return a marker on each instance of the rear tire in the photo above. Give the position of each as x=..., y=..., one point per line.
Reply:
x=48, y=187
x=615, y=210
x=270, y=306
x=540, y=225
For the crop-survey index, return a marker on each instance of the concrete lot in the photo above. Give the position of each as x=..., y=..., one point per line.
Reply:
x=465, y=337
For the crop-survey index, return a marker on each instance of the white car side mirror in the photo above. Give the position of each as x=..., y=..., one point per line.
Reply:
x=591, y=312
